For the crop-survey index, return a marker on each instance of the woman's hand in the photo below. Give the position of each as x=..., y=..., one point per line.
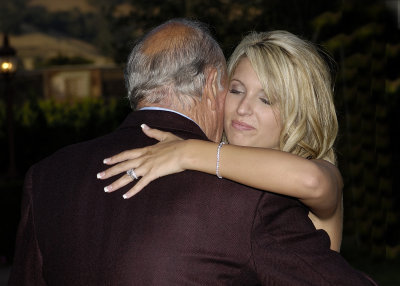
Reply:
x=150, y=163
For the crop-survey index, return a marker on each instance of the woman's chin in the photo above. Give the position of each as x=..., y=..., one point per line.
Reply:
x=239, y=142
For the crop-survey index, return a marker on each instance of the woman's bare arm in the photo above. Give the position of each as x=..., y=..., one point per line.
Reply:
x=317, y=183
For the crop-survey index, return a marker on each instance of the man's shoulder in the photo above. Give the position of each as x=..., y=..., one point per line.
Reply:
x=267, y=199
x=69, y=152
x=74, y=160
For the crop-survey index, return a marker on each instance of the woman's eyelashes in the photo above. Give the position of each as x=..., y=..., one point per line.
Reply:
x=235, y=91
x=265, y=100
x=262, y=98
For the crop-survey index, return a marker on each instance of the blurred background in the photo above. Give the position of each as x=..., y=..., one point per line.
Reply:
x=62, y=82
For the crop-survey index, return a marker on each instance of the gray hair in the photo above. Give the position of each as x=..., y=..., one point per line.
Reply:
x=179, y=68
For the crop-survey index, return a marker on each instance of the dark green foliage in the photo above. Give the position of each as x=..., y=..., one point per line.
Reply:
x=11, y=15
x=43, y=126
x=229, y=21
x=363, y=47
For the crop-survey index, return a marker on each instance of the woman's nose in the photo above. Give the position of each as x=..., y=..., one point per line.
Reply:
x=244, y=107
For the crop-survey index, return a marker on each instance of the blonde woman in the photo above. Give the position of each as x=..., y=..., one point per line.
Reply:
x=280, y=123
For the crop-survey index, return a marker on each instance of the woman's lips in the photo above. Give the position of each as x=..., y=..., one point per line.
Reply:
x=241, y=125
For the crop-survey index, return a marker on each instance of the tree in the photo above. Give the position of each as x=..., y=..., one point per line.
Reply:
x=11, y=15
x=360, y=34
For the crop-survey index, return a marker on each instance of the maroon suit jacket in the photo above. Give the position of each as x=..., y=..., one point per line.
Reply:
x=189, y=228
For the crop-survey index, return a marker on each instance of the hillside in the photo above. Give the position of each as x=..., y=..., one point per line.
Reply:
x=38, y=47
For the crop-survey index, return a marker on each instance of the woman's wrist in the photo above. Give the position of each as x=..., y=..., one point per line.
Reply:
x=198, y=155
x=187, y=154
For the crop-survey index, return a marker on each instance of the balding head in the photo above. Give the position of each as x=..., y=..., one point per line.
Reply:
x=169, y=37
x=169, y=65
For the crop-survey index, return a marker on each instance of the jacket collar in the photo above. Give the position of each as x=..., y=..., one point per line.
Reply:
x=164, y=120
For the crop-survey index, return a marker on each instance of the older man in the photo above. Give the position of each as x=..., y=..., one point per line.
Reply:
x=184, y=229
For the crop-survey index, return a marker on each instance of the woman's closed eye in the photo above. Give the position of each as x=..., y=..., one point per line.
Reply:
x=265, y=100
x=235, y=91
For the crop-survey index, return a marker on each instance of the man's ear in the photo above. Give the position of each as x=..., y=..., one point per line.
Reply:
x=211, y=87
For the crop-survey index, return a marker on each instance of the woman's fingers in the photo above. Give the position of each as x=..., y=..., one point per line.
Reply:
x=126, y=179
x=123, y=181
x=118, y=169
x=143, y=182
x=123, y=156
x=159, y=135
x=148, y=163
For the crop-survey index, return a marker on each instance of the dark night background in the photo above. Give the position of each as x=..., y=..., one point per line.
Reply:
x=362, y=36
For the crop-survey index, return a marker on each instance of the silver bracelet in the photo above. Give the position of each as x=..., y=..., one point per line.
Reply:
x=218, y=155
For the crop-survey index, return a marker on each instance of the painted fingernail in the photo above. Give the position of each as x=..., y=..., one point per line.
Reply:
x=125, y=196
x=105, y=161
x=100, y=175
x=144, y=127
x=108, y=189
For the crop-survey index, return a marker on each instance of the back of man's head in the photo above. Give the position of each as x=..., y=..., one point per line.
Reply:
x=171, y=62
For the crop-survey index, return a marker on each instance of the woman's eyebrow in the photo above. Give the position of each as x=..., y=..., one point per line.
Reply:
x=234, y=79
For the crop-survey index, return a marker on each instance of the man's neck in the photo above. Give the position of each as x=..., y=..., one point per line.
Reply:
x=166, y=109
x=200, y=117
x=176, y=108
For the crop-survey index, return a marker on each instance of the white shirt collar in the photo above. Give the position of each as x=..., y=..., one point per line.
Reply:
x=166, y=109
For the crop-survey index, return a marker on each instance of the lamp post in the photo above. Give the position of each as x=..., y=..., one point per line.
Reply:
x=8, y=67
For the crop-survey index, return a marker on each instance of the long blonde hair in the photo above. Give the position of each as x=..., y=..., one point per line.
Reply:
x=297, y=79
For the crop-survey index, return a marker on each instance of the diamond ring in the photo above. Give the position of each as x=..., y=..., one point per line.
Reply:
x=132, y=174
